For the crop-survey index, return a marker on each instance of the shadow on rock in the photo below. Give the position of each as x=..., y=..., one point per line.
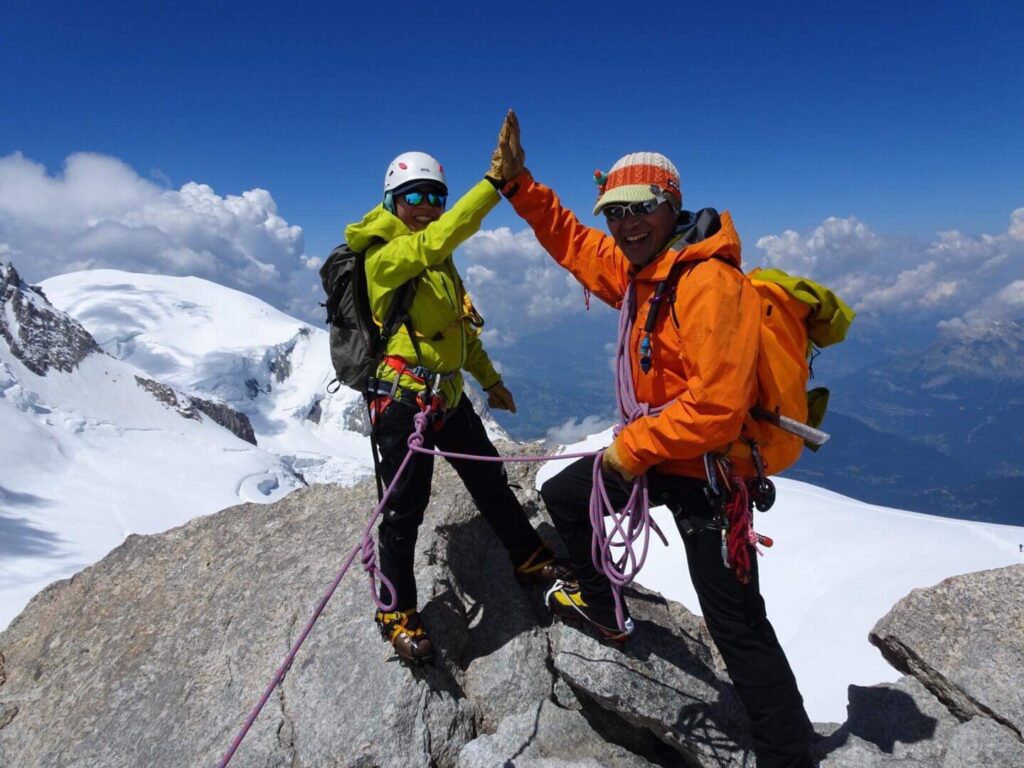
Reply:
x=660, y=682
x=497, y=607
x=885, y=716
x=711, y=728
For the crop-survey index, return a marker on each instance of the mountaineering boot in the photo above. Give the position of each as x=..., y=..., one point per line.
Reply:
x=543, y=568
x=404, y=630
x=565, y=600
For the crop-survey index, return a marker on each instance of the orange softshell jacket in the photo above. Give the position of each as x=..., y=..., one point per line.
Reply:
x=703, y=347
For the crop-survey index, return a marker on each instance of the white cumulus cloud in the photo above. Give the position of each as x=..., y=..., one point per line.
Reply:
x=573, y=430
x=99, y=213
x=956, y=275
x=835, y=247
x=1016, y=230
x=515, y=283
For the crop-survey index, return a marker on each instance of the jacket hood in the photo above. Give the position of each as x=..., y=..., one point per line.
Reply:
x=698, y=236
x=377, y=226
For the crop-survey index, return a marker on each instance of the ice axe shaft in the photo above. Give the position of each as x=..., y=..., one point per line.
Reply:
x=810, y=434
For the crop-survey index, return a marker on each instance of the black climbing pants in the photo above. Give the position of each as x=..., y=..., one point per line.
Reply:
x=460, y=431
x=734, y=612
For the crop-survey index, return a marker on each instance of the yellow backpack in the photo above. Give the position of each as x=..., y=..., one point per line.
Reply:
x=798, y=317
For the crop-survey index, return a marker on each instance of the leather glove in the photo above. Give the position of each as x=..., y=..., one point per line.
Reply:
x=509, y=158
x=500, y=398
x=612, y=462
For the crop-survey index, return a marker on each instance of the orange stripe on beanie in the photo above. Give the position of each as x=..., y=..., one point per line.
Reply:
x=644, y=174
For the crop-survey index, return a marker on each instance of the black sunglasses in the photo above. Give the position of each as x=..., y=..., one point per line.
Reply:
x=432, y=199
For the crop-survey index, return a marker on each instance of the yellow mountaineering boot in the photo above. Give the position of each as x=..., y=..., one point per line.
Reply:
x=404, y=630
x=565, y=600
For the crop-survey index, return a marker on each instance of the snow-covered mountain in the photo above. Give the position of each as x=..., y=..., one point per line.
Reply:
x=937, y=430
x=218, y=342
x=105, y=431
x=93, y=449
x=221, y=343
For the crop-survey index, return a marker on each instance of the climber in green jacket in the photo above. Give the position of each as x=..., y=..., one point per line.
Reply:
x=411, y=236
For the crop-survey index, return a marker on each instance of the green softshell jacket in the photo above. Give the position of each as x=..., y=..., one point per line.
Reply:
x=395, y=254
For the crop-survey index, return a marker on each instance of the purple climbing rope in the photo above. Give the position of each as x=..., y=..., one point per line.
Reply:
x=622, y=528
x=368, y=557
x=626, y=526
x=369, y=560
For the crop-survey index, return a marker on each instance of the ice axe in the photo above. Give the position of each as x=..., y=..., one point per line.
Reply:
x=815, y=437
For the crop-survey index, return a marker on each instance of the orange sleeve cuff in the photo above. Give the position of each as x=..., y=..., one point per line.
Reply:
x=512, y=187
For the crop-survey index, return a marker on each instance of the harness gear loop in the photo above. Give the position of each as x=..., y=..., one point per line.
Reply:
x=729, y=493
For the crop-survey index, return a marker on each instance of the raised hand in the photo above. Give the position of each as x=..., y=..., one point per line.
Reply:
x=513, y=154
x=509, y=158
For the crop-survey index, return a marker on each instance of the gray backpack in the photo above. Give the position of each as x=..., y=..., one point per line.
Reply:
x=357, y=343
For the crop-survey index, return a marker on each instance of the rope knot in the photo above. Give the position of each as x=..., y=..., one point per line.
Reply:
x=420, y=422
x=368, y=555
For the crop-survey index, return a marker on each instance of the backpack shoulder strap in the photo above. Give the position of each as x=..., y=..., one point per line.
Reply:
x=398, y=315
x=666, y=288
x=663, y=292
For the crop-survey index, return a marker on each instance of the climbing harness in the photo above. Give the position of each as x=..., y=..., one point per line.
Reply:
x=731, y=497
x=381, y=393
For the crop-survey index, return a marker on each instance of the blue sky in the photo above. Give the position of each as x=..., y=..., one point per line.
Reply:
x=874, y=146
x=906, y=115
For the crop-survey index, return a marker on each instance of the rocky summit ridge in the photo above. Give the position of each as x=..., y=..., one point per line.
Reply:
x=43, y=339
x=38, y=334
x=154, y=656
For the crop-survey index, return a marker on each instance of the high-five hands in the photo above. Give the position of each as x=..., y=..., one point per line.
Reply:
x=509, y=157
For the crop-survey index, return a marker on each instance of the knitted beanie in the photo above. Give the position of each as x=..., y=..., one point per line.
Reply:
x=637, y=177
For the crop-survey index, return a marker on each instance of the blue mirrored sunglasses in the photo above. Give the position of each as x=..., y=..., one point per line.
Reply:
x=430, y=198
x=616, y=212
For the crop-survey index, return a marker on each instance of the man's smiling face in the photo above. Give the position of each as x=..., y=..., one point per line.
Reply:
x=642, y=237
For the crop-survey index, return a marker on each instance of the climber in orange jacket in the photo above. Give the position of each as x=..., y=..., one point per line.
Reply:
x=698, y=364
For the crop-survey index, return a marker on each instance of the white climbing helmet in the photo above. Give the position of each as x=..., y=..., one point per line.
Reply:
x=410, y=167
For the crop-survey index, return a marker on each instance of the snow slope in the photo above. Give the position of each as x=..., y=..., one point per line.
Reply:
x=837, y=566
x=88, y=456
x=214, y=341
